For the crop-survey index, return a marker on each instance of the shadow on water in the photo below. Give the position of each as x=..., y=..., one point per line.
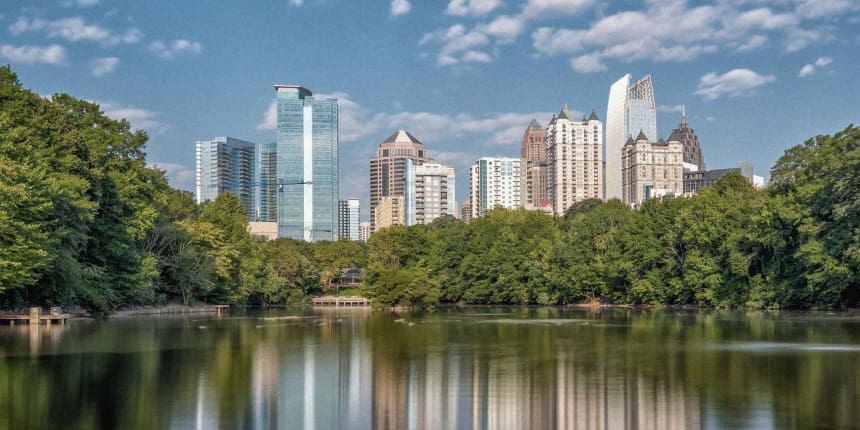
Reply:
x=481, y=368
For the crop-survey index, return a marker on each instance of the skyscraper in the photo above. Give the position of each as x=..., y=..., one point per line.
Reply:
x=266, y=183
x=575, y=160
x=225, y=164
x=631, y=109
x=688, y=138
x=389, y=212
x=430, y=192
x=494, y=183
x=388, y=168
x=348, y=219
x=307, y=165
x=364, y=231
x=533, y=154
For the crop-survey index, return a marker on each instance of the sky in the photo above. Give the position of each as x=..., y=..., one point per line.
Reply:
x=464, y=76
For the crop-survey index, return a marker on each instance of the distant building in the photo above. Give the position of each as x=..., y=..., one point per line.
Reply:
x=225, y=164
x=466, y=211
x=690, y=141
x=265, y=230
x=694, y=181
x=389, y=212
x=631, y=108
x=494, y=183
x=348, y=219
x=651, y=169
x=388, y=168
x=574, y=160
x=533, y=153
x=266, y=187
x=307, y=164
x=364, y=231
x=430, y=192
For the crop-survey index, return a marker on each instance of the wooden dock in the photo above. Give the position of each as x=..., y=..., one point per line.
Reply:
x=35, y=317
x=345, y=301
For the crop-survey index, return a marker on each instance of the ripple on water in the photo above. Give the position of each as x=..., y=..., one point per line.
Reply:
x=767, y=347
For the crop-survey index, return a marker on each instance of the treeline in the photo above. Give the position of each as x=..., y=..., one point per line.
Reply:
x=794, y=245
x=84, y=221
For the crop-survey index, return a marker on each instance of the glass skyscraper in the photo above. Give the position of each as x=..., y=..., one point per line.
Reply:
x=348, y=212
x=267, y=182
x=225, y=164
x=307, y=165
x=631, y=109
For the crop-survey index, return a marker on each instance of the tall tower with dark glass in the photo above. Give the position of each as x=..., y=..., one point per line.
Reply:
x=225, y=164
x=266, y=184
x=307, y=165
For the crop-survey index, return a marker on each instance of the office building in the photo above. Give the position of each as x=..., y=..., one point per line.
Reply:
x=364, y=231
x=466, y=211
x=348, y=219
x=574, y=160
x=389, y=212
x=226, y=165
x=307, y=165
x=263, y=229
x=631, y=109
x=687, y=136
x=388, y=168
x=652, y=169
x=494, y=183
x=533, y=154
x=694, y=181
x=266, y=183
x=430, y=192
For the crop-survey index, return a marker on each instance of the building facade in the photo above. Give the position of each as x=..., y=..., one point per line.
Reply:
x=533, y=154
x=466, y=211
x=388, y=168
x=652, y=169
x=494, y=183
x=687, y=136
x=266, y=183
x=389, y=212
x=364, y=231
x=574, y=160
x=307, y=164
x=348, y=219
x=631, y=109
x=225, y=164
x=430, y=192
x=694, y=181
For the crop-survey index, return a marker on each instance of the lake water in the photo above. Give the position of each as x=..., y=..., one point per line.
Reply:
x=481, y=368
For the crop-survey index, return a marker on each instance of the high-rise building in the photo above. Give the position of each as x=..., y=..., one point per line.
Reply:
x=348, y=219
x=466, y=211
x=388, y=168
x=533, y=154
x=694, y=181
x=688, y=138
x=389, y=212
x=364, y=231
x=494, y=183
x=225, y=164
x=430, y=192
x=575, y=160
x=307, y=164
x=266, y=187
x=631, y=109
x=652, y=169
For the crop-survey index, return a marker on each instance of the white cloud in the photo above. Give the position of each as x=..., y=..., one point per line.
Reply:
x=74, y=29
x=476, y=57
x=270, y=117
x=754, y=42
x=177, y=48
x=810, y=69
x=670, y=108
x=29, y=54
x=504, y=27
x=456, y=41
x=554, y=8
x=295, y=3
x=178, y=175
x=733, y=83
x=140, y=119
x=103, y=66
x=472, y=7
x=400, y=7
x=824, y=8
x=587, y=64
x=87, y=3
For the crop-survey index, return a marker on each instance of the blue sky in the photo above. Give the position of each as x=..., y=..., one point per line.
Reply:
x=464, y=76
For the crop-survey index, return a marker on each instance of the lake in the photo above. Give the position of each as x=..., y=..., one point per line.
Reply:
x=478, y=368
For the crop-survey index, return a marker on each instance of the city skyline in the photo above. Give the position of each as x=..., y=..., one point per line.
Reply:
x=158, y=68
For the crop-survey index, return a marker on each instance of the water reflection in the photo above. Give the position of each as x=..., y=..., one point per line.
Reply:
x=506, y=369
